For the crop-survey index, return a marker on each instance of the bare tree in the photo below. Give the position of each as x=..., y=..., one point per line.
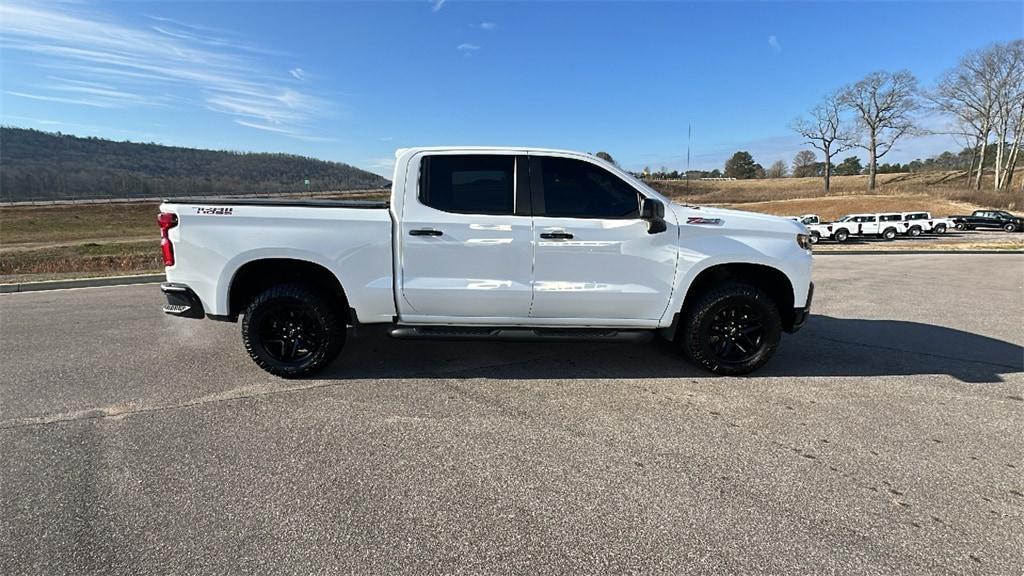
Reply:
x=985, y=95
x=1008, y=117
x=967, y=94
x=826, y=131
x=777, y=170
x=803, y=164
x=884, y=103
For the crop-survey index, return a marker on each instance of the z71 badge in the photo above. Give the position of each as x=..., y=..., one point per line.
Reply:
x=705, y=221
x=213, y=211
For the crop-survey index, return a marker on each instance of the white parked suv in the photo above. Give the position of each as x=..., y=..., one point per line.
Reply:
x=512, y=243
x=886, y=226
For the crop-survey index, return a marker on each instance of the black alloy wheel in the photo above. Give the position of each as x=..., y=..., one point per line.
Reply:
x=291, y=330
x=736, y=333
x=289, y=333
x=733, y=329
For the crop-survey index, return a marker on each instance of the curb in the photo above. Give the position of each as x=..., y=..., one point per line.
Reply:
x=81, y=283
x=909, y=252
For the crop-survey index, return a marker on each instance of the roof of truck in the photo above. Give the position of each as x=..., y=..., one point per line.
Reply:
x=414, y=149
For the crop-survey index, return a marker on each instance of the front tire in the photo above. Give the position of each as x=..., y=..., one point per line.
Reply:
x=939, y=229
x=889, y=234
x=731, y=330
x=1009, y=227
x=914, y=231
x=292, y=331
x=815, y=237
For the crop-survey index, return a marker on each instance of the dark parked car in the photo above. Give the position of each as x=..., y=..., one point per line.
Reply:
x=989, y=219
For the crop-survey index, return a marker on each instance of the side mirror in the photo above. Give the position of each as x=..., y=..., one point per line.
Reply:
x=653, y=211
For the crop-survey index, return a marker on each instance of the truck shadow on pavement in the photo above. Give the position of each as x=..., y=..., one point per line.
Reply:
x=825, y=347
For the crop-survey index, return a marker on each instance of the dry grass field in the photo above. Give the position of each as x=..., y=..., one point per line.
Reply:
x=41, y=242
x=951, y=186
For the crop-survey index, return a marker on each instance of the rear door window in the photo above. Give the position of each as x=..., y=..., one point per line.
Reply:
x=469, y=184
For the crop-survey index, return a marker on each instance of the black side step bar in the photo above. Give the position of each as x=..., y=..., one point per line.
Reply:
x=520, y=334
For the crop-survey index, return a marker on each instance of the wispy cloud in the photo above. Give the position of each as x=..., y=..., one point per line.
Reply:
x=773, y=43
x=384, y=165
x=102, y=63
x=436, y=5
x=467, y=48
x=488, y=25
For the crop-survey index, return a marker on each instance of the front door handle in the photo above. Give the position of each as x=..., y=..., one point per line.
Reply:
x=425, y=232
x=556, y=235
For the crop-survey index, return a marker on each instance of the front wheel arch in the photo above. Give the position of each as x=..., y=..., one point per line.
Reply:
x=772, y=281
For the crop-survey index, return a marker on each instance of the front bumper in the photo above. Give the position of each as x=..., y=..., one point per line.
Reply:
x=800, y=314
x=181, y=301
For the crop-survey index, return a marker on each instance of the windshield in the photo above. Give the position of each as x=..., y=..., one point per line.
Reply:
x=844, y=218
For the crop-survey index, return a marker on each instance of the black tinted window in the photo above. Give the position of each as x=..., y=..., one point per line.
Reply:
x=468, y=184
x=577, y=189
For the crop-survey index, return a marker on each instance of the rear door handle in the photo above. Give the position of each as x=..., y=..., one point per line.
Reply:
x=556, y=235
x=425, y=232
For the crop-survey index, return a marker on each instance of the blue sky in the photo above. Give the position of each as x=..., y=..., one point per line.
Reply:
x=352, y=81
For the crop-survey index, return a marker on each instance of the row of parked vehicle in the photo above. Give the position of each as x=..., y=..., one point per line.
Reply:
x=889, y=225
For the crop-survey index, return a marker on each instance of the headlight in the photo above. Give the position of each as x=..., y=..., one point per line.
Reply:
x=803, y=241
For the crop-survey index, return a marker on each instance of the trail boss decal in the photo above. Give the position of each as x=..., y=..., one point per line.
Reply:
x=213, y=211
x=705, y=221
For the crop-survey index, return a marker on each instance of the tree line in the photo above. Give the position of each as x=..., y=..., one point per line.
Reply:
x=37, y=165
x=983, y=94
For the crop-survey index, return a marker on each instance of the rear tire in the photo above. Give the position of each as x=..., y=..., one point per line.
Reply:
x=888, y=234
x=842, y=236
x=939, y=229
x=731, y=330
x=292, y=331
x=815, y=237
x=915, y=231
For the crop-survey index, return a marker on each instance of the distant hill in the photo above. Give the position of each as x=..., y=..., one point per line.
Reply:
x=38, y=165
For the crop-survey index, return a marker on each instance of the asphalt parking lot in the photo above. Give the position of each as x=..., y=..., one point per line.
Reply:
x=886, y=437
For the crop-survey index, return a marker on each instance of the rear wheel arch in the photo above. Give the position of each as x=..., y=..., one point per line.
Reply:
x=255, y=276
x=769, y=280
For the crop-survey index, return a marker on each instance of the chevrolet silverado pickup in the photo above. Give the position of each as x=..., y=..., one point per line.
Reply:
x=489, y=243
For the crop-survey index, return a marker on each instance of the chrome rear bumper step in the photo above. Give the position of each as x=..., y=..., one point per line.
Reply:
x=181, y=301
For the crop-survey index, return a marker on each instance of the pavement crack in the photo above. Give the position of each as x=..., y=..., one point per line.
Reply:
x=121, y=411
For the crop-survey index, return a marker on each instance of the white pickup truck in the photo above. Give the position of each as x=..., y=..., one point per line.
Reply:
x=922, y=222
x=489, y=243
x=840, y=230
x=885, y=226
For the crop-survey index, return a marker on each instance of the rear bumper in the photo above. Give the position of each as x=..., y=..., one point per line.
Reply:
x=181, y=301
x=800, y=314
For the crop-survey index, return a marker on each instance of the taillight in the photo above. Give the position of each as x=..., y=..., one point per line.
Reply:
x=167, y=220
